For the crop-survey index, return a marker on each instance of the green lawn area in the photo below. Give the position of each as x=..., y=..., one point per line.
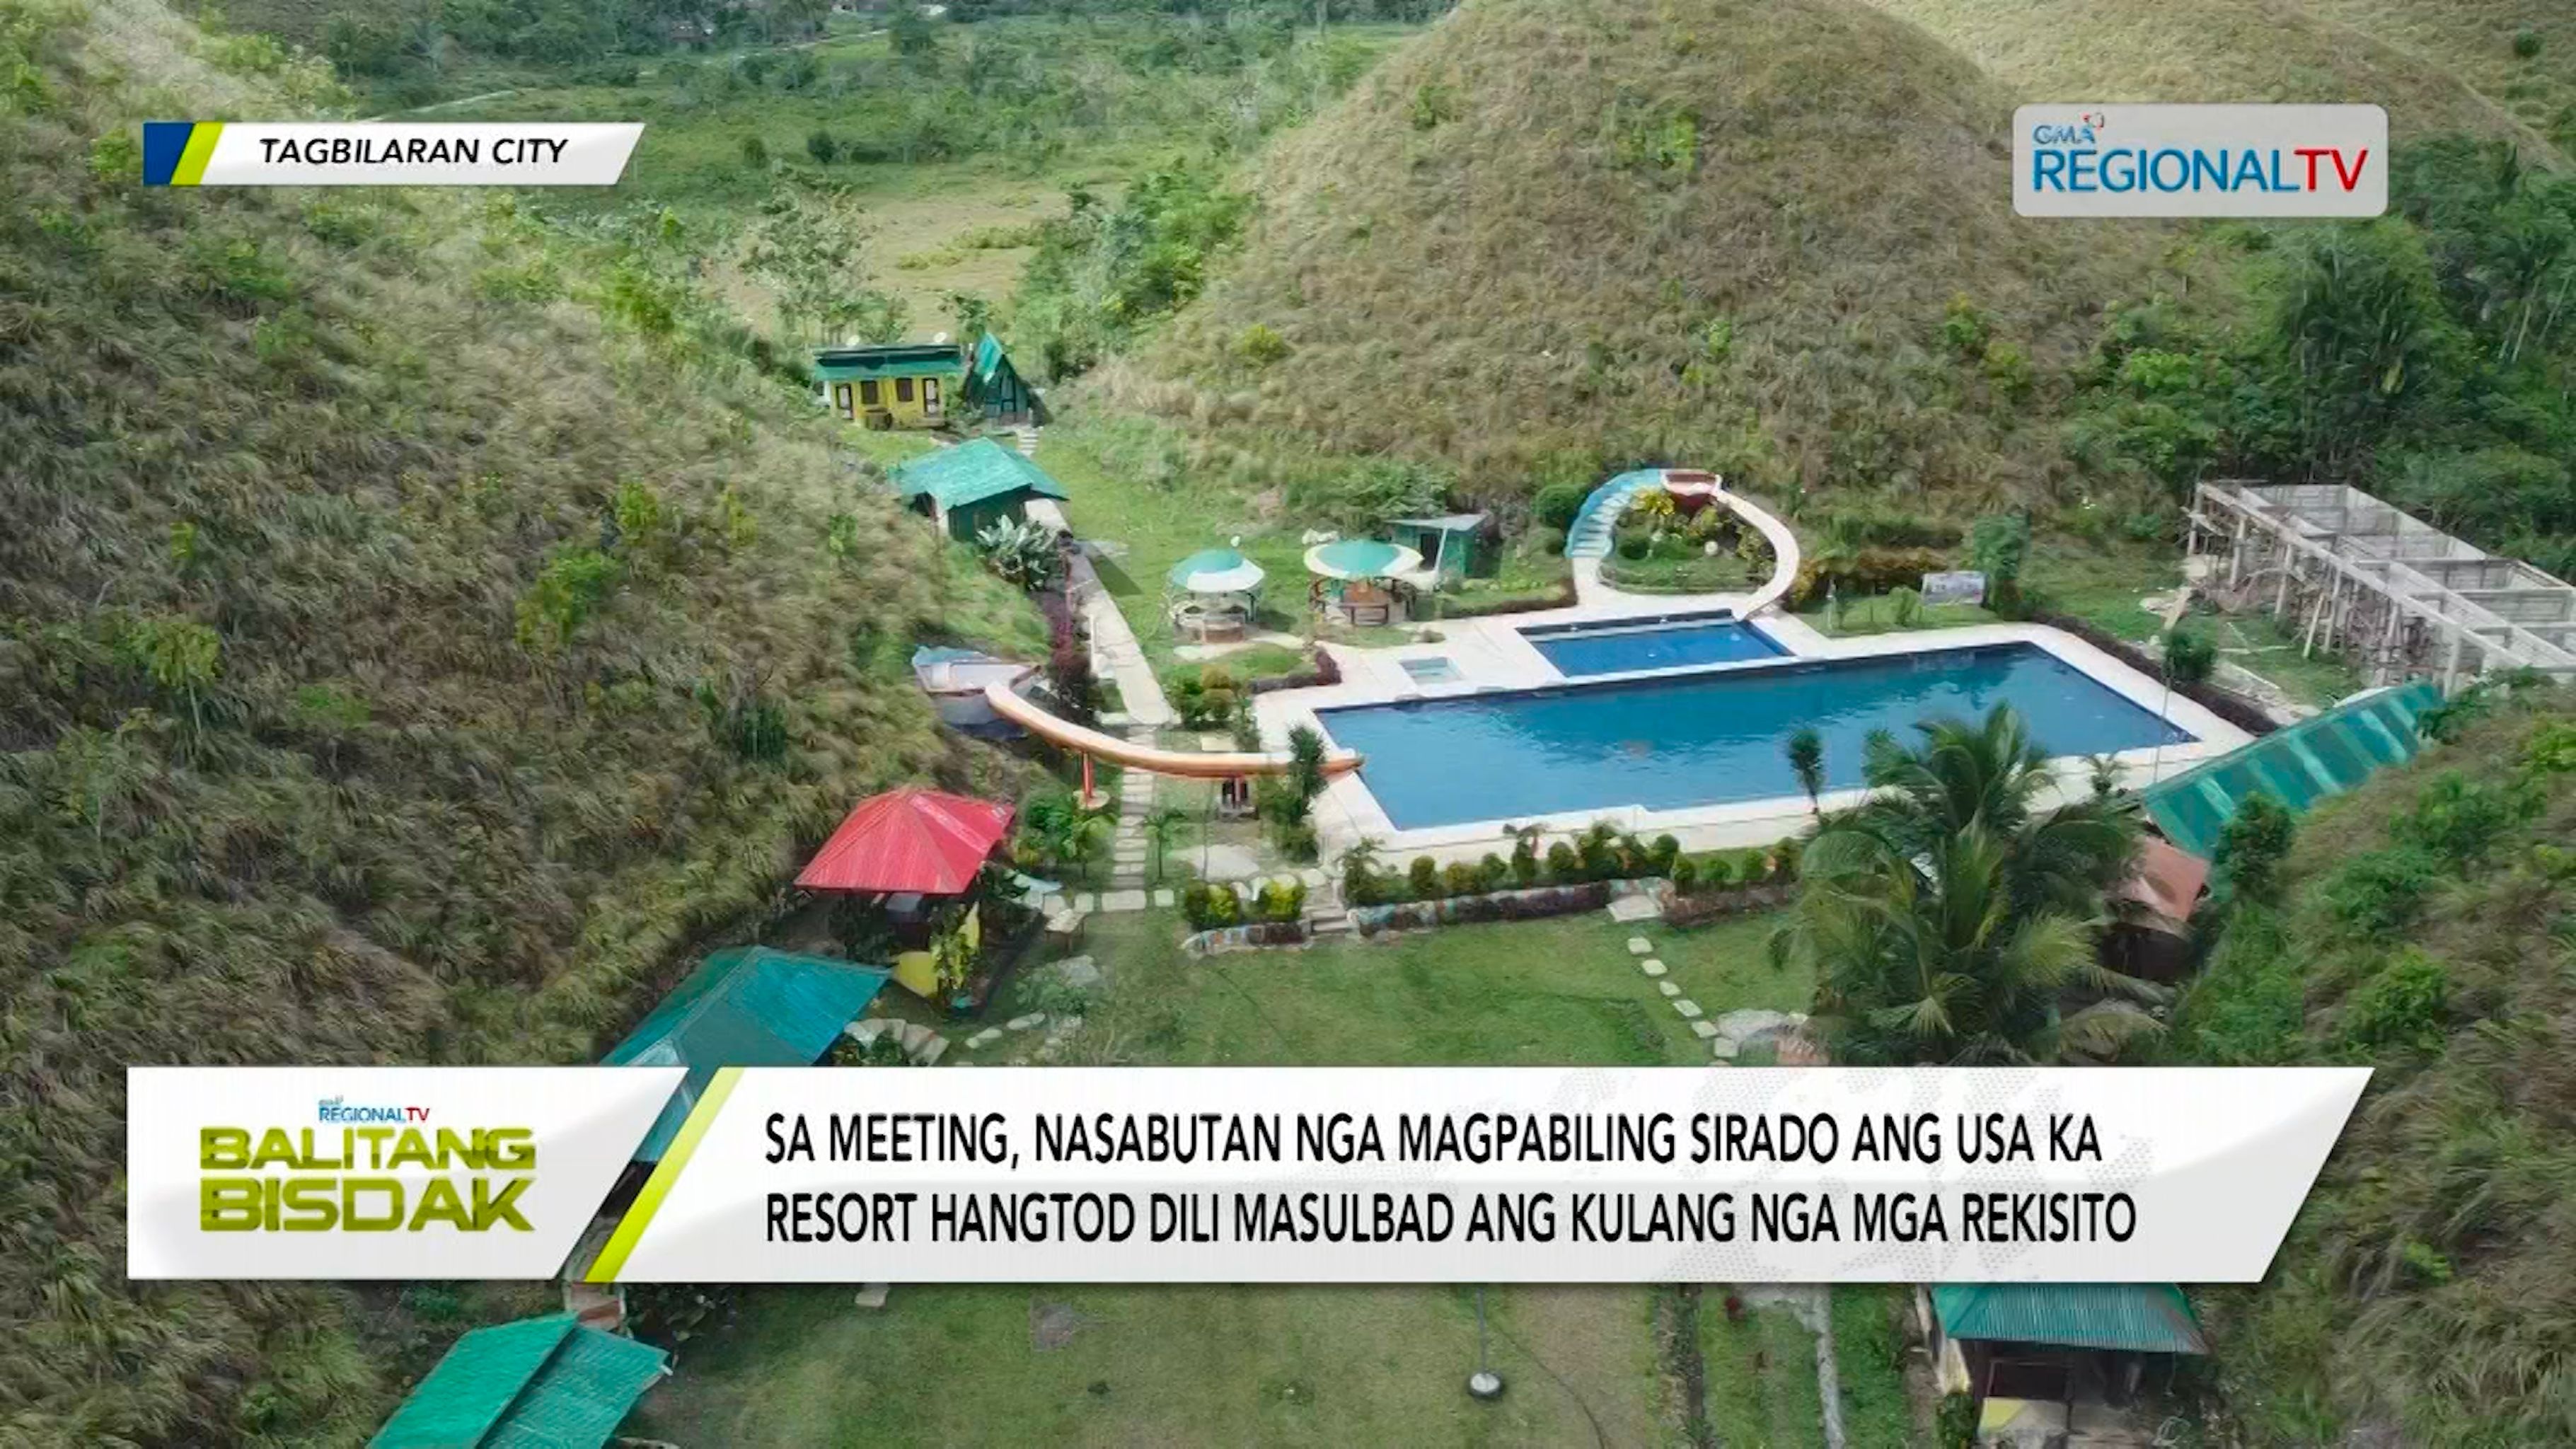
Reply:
x=1273, y=1365
x=1132, y=489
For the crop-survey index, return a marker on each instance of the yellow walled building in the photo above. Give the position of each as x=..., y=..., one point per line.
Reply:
x=895, y=385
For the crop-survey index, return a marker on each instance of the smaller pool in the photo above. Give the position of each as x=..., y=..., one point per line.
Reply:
x=1670, y=642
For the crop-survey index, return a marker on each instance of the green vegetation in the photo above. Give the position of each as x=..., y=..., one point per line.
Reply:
x=1627, y=240
x=1947, y=918
x=1191, y=1364
x=2423, y=929
x=357, y=645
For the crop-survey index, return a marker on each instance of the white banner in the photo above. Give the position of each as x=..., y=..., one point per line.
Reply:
x=374, y=1172
x=387, y=153
x=2160, y=160
x=1409, y=1175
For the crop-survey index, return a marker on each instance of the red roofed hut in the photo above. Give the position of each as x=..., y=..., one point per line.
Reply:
x=921, y=858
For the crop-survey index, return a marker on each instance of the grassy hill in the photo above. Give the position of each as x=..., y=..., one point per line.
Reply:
x=416, y=642
x=2426, y=926
x=2248, y=50
x=1545, y=238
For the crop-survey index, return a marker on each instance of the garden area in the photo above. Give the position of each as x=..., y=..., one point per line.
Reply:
x=1120, y=1365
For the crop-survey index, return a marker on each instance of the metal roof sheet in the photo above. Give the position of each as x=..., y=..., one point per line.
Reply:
x=2140, y=1317
x=2315, y=759
x=746, y=1007
x=971, y=473
x=540, y=1381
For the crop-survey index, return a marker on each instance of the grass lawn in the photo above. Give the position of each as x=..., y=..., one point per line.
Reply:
x=1761, y=1376
x=1272, y=1365
x=1194, y=1365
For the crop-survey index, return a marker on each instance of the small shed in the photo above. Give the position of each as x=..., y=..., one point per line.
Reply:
x=996, y=388
x=893, y=385
x=970, y=487
x=746, y=1007
x=2044, y=1360
x=546, y=1381
x=1452, y=545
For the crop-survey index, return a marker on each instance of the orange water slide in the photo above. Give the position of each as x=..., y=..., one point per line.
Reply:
x=1186, y=765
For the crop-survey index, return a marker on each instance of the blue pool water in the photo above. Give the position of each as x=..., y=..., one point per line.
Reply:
x=1709, y=738
x=1580, y=649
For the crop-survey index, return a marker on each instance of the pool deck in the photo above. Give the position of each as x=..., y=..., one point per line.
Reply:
x=1491, y=655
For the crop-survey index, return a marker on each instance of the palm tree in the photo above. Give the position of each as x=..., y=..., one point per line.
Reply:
x=1807, y=761
x=1945, y=915
x=1989, y=773
x=1160, y=825
x=1925, y=959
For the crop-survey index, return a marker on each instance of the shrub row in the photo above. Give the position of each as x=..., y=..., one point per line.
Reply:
x=1214, y=905
x=1602, y=853
x=1561, y=596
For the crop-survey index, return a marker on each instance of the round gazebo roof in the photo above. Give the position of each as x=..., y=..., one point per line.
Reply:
x=1361, y=558
x=1217, y=571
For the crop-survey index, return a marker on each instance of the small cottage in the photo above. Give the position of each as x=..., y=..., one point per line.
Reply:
x=995, y=388
x=537, y=1381
x=895, y=385
x=970, y=487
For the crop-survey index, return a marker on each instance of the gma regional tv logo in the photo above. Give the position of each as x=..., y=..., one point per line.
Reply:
x=2173, y=160
x=368, y=1168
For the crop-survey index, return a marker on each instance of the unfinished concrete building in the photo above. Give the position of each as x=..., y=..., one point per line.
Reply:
x=2342, y=570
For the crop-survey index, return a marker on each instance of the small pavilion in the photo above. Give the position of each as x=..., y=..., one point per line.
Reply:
x=1215, y=594
x=912, y=850
x=1357, y=579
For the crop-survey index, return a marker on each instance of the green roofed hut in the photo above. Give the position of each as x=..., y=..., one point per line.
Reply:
x=2046, y=1361
x=2299, y=765
x=539, y=1383
x=996, y=388
x=747, y=1007
x=970, y=487
x=1452, y=545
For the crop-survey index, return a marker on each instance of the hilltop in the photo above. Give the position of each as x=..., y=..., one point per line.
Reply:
x=2424, y=60
x=1543, y=239
x=419, y=636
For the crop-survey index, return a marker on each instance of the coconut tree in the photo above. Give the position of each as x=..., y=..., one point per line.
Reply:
x=1925, y=958
x=1991, y=774
x=1807, y=760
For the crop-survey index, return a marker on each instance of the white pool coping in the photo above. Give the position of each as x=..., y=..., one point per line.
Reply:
x=1492, y=656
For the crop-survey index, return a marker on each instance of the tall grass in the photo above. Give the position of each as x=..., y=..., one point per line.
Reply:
x=1546, y=239
x=282, y=778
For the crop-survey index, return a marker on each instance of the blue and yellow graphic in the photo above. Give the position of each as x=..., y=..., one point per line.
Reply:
x=175, y=153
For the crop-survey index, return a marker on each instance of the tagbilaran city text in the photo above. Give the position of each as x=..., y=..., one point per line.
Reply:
x=1714, y=1215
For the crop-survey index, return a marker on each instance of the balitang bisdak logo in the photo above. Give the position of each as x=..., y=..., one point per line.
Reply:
x=2159, y=160
x=375, y=1172
x=345, y=1178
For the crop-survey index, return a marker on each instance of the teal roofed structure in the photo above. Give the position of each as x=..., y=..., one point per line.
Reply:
x=2130, y=1317
x=2298, y=766
x=995, y=386
x=746, y=1007
x=970, y=487
x=547, y=1382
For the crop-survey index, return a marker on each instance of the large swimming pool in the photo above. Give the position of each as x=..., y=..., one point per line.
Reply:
x=1708, y=738
x=1663, y=643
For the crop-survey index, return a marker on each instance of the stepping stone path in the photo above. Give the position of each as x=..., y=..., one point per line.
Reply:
x=984, y=1038
x=1640, y=946
x=1651, y=966
x=1129, y=848
x=1668, y=988
x=1023, y=1023
x=1686, y=1006
x=919, y=1042
x=1703, y=1029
